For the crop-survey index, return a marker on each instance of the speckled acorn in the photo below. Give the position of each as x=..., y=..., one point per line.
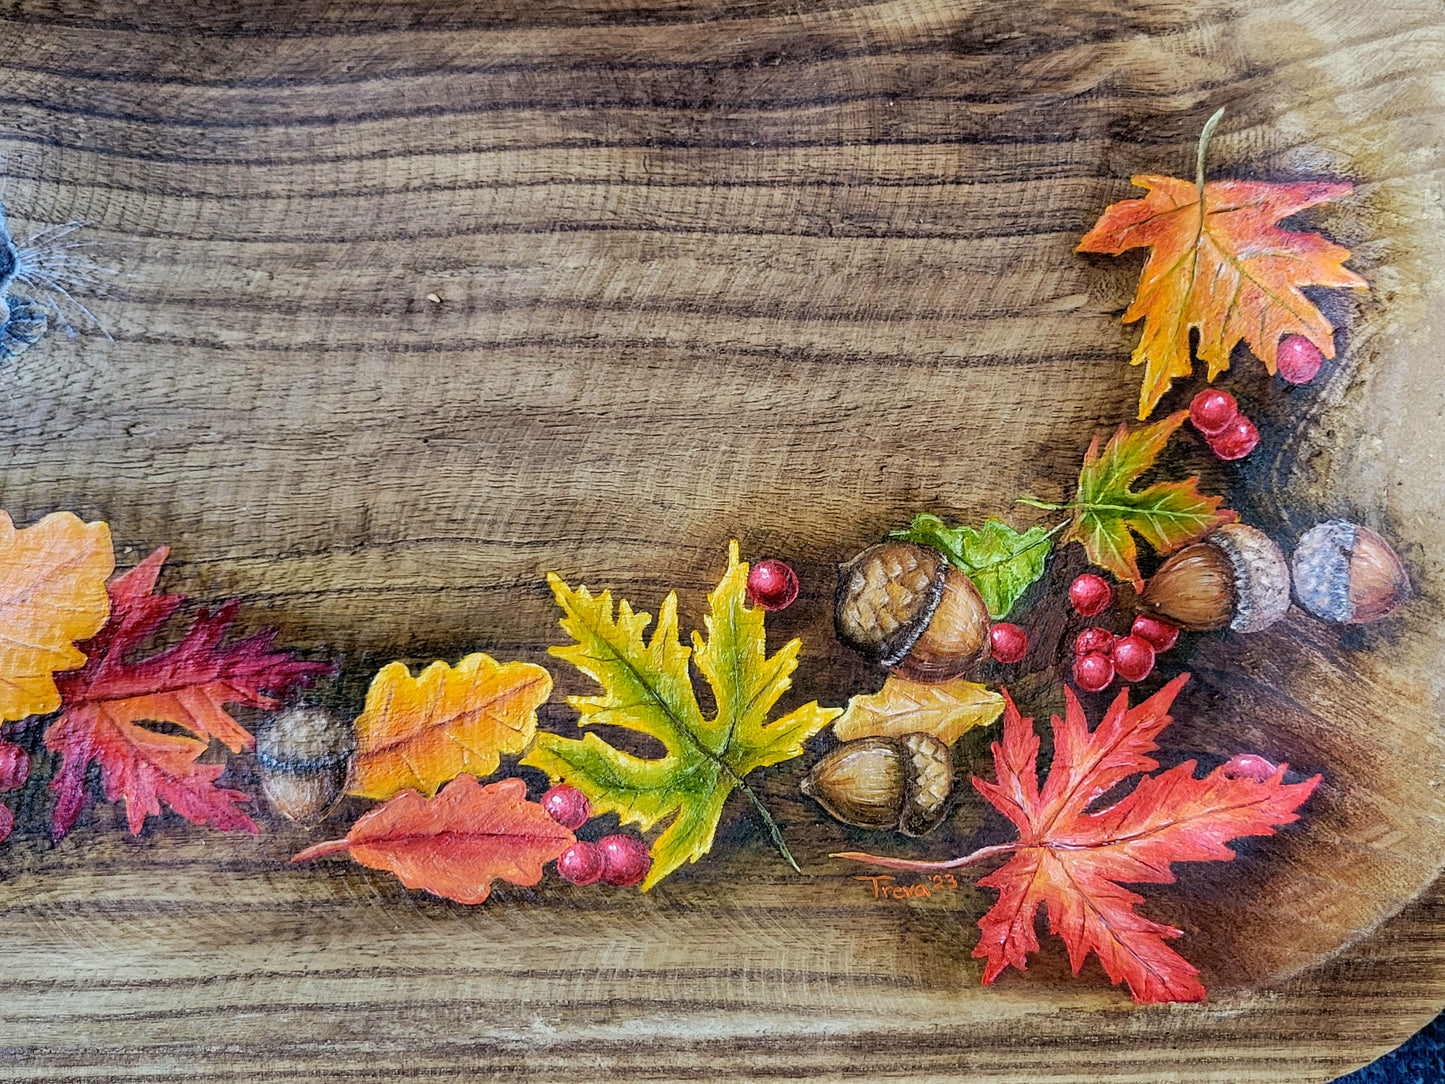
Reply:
x=904, y=606
x=305, y=758
x=1235, y=578
x=1347, y=573
x=896, y=783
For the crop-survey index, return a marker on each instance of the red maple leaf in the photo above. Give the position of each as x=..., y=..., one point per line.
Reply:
x=188, y=684
x=458, y=843
x=1073, y=860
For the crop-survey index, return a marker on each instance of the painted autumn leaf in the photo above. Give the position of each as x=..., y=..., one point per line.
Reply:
x=1219, y=264
x=648, y=688
x=1001, y=562
x=418, y=732
x=1074, y=860
x=188, y=685
x=947, y=711
x=1108, y=512
x=456, y=844
x=52, y=593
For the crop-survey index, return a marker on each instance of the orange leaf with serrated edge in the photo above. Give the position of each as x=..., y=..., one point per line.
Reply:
x=52, y=593
x=1218, y=263
x=188, y=685
x=456, y=844
x=1074, y=860
x=418, y=732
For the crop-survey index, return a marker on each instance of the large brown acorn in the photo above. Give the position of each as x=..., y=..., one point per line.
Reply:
x=305, y=758
x=1347, y=573
x=904, y=606
x=903, y=783
x=1235, y=578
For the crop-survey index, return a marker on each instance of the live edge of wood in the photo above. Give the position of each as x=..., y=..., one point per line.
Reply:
x=423, y=300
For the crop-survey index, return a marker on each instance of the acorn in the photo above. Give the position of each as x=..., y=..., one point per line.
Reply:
x=305, y=758
x=1235, y=578
x=904, y=606
x=1347, y=573
x=903, y=783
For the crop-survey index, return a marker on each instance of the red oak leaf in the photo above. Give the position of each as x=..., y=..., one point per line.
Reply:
x=1073, y=860
x=458, y=843
x=188, y=685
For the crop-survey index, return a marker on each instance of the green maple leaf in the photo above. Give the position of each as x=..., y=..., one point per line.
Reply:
x=1000, y=561
x=648, y=688
x=1167, y=515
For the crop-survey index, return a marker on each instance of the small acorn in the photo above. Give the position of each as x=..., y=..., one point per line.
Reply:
x=1347, y=573
x=1235, y=578
x=903, y=783
x=305, y=758
x=904, y=606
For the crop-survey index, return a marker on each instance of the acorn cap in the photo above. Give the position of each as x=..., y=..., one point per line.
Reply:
x=1347, y=573
x=1261, y=576
x=930, y=784
x=886, y=597
x=1235, y=578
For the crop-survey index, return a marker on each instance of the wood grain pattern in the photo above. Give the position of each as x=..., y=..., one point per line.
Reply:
x=785, y=272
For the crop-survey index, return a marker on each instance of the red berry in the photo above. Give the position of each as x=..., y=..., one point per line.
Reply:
x=582, y=863
x=14, y=765
x=1091, y=594
x=772, y=585
x=626, y=859
x=1212, y=410
x=1298, y=359
x=1249, y=766
x=1093, y=672
x=568, y=806
x=1238, y=439
x=1094, y=641
x=1161, y=634
x=1009, y=643
x=1133, y=658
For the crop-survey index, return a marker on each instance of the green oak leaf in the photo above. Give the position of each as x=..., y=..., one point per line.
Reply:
x=1106, y=510
x=1000, y=561
x=648, y=688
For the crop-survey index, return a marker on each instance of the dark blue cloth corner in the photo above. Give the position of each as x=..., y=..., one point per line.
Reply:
x=1421, y=1060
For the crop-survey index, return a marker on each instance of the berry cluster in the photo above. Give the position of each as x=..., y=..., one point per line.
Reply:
x=1099, y=655
x=622, y=861
x=1230, y=434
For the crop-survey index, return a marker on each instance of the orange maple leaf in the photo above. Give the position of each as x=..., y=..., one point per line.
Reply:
x=1073, y=860
x=52, y=593
x=1219, y=263
x=418, y=732
x=456, y=844
x=188, y=684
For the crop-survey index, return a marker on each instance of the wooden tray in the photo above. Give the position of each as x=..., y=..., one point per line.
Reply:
x=785, y=273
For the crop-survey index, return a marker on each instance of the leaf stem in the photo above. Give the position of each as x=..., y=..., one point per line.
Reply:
x=1204, y=137
x=983, y=854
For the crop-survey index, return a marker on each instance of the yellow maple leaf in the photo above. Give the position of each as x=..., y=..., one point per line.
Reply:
x=52, y=593
x=909, y=707
x=418, y=732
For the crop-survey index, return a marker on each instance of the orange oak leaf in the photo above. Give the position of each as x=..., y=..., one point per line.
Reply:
x=52, y=593
x=1074, y=860
x=456, y=844
x=418, y=732
x=1218, y=263
x=187, y=685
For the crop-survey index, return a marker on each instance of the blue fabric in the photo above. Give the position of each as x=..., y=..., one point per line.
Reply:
x=1420, y=1061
